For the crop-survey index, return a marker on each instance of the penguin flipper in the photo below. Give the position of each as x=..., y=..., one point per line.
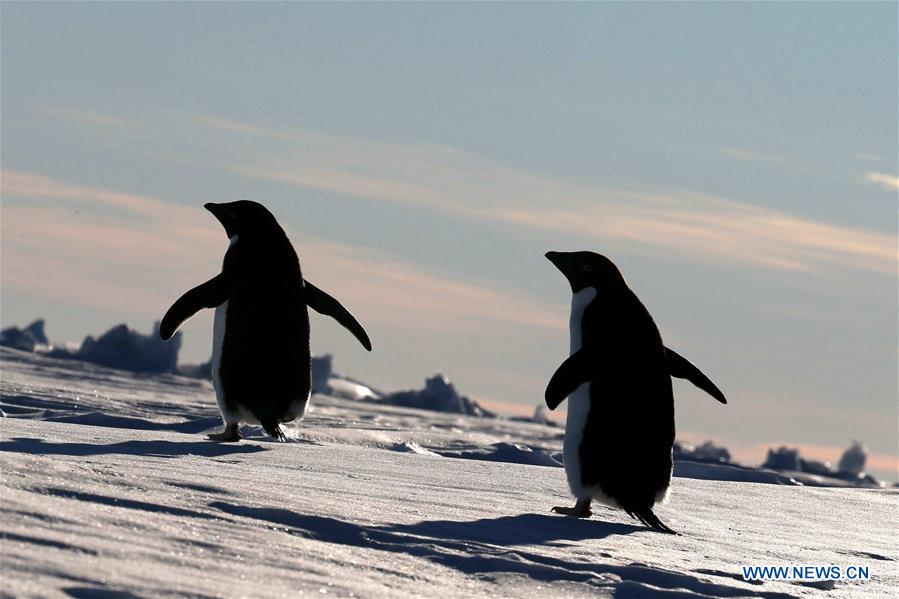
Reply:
x=323, y=303
x=574, y=372
x=682, y=368
x=210, y=294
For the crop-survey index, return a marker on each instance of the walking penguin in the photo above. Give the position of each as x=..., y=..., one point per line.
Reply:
x=261, y=361
x=619, y=432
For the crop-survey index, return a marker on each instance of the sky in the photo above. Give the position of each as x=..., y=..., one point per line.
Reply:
x=738, y=162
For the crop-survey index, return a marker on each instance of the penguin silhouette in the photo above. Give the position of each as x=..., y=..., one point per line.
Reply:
x=261, y=361
x=619, y=431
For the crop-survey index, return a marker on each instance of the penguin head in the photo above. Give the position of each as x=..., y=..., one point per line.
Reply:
x=586, y=269
x=243, y=217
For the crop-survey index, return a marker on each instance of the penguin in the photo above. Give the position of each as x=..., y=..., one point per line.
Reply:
x=619, y=432
x=261, y=360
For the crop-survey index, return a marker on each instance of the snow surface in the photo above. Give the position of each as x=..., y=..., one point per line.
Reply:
x=110, y=490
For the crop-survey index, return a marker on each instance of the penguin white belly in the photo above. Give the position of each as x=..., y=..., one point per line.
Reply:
x=218, y=340
x=579, y=410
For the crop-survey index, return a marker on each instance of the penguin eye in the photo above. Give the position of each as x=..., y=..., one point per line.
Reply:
x=587, y=267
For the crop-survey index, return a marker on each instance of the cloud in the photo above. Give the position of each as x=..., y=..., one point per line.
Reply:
x=460, y=184
x=19, y=183
x=433, y=302
x=712, y=229
x=148, y=250
x=884, y=180
x=693, y=225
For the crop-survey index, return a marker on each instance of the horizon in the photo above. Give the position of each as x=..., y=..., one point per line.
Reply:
x=737, y=162
x=746, y=455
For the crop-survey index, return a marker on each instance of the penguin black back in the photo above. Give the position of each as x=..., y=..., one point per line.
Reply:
x=631, y=423
x=261, y=353
x=620, y=428
x=635, y=396
x=265, y=359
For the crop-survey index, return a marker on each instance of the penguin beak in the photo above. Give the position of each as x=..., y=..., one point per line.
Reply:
x=562, y=261
x=558, y=260
x=219, y=214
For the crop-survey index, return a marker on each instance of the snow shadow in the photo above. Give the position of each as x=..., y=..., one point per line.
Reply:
x=159, y=449
x=503, y=545
x=10, y=536
x=94, y=591
x=196, y=425
x=96, y=412
x=131, y=504
x=99, y=593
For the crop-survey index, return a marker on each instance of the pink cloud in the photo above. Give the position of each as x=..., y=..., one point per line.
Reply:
x=884, y=180
x=698, y=226
x=151, y=250
x=19, y=183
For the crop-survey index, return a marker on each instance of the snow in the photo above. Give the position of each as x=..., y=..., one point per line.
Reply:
x=109, y=489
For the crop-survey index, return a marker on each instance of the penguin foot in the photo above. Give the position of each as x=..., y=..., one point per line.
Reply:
x=229, y=435
x=649, y=518
x=580, y=510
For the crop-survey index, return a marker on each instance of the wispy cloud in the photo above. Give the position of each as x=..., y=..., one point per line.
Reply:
x=432, y=302
x=454, y=182
x=883, y=180
x=694, y=225
x=28, y=184
x=150, y=249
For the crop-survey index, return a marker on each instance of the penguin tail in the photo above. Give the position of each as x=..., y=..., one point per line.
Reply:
x=649, y=518
x=274, y=430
